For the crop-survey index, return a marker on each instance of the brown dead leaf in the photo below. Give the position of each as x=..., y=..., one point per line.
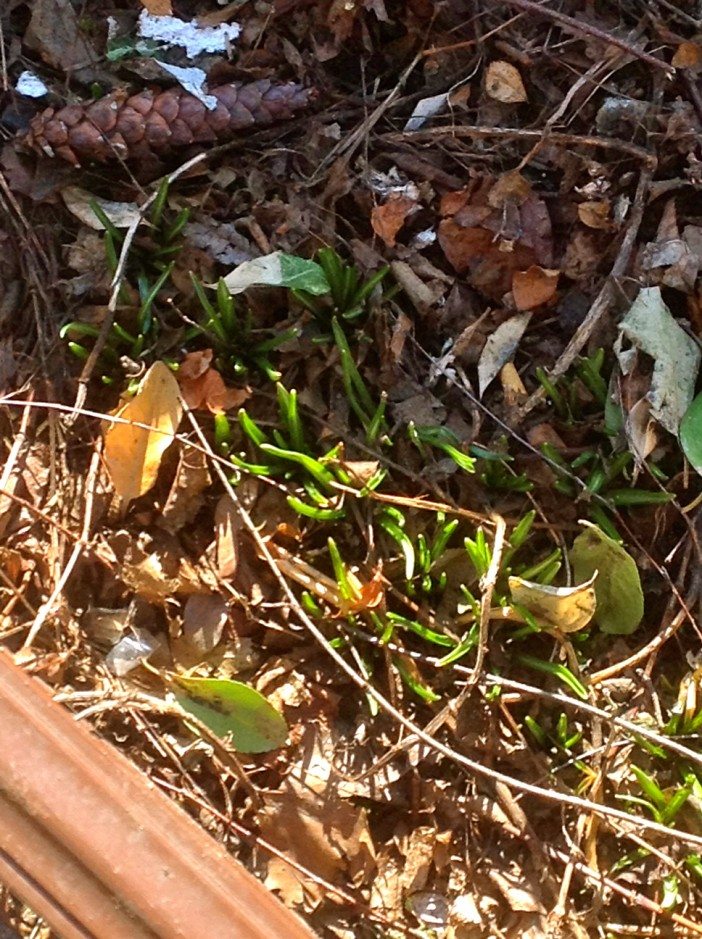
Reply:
x=510, y=187
x=56, y=32
x=388, y=219
x=595, y=215
x=360, y=471
x=418, y=854
x=133, y=454
x=324, y=834
x=490, y=242
x=195, y=364
x=463, y=246
x=512, y=386
x=154, y=568
x=203, y=387
x=185, y=499
x=534, y=287
x=452, y=202
x=504, y=83
x=204, y=619
x=227, y=525
x=158, y=7
x=687, y=55
x=516, y=891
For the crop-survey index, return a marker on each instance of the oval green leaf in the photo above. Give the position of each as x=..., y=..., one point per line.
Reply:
x=233, y=709
x=691, y=434
x=620, y=601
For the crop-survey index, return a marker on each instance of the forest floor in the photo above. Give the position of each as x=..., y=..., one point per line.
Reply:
x=412, y=341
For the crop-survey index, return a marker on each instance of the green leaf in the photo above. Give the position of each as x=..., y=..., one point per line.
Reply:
x=231, y=708
x=691, y=434
x=301, y=274
x=620, y=601
x=279, y=270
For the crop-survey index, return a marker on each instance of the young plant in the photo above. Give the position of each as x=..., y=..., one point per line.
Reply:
x=286, y=453
x=422, y=555
x=370, y=414
x=348, y=291
x=443, y=439
x=148, y=267
x=232, y=335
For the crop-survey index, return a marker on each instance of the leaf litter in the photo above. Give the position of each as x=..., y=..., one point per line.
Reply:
x=267, y=386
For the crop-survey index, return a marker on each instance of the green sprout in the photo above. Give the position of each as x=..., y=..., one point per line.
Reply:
x=286, y=453
x=348, y=291
x=232, y=336
x=150, y=265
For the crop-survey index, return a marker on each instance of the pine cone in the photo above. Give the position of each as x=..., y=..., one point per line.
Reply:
x=149, y=124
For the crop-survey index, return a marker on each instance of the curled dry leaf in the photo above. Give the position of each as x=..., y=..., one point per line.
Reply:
x=499, y=348
x=121, y=214
x=651, y=328
x=534, y=287
x=186, y=497
x=513, y=387
x=133, y=453
x=388, y=219
x=504, y=83
x=566, y=608
x=324, y=834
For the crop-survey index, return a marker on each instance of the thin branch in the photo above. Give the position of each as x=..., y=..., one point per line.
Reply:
x=587, y=29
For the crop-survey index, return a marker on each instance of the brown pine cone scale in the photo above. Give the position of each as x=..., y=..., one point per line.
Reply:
x=149, y=124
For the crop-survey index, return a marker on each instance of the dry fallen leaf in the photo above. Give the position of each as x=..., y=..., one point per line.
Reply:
x=504, y=83
x=534, y=287
x=566, y=608
x=158, y=7
x=501, y=345
x=227, y=526
x=324, y=834
x=595, y=215
x=513, y=387
x=388, y=219
x=186, y=498
x=687, y=55
x=204, y=618
x=133, y=453
x=203, y=386
x=121, y=214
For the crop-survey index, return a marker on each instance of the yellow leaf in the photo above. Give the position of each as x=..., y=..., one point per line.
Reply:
x=565, y=608
x=133, y=454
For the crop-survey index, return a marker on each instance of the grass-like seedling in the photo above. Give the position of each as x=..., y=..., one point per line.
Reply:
x=286, y=453
x=232, y=335
x=149, y=267
x=348, y=293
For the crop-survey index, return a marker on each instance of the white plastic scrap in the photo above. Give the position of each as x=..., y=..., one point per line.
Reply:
x=195, y=39
x=30, y=86
x=131, y=650
x=193, y=80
